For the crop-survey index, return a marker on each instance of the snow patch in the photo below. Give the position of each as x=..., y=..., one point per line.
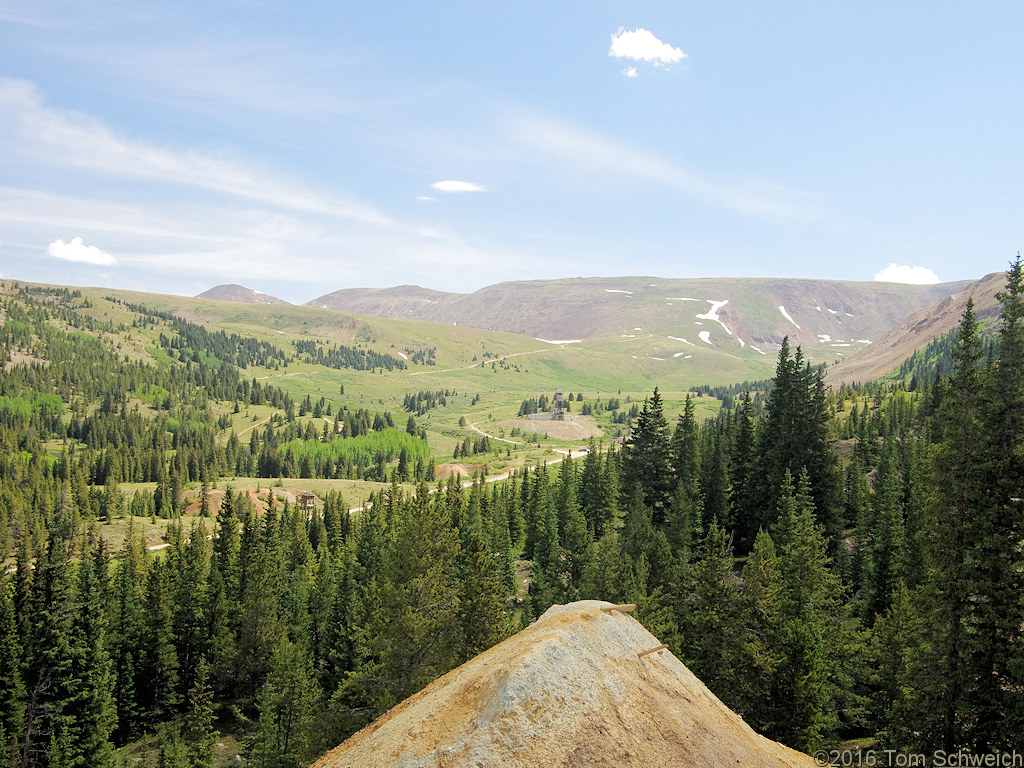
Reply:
x=833, y=311
x=638, y=329
x=681, y=298
x=712, y=314
x=823, y=337
x=403, y=355
x=676, y=338
x=817, y=307
x=757, y=350
x=705, y=336
x=785, y=314
x=560, y=341
x=840, y=345
x=629, y=335
x=657, y=358
x=863, y=341
x=616, y=290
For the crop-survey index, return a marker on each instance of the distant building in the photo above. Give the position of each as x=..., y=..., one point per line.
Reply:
x=307, y=500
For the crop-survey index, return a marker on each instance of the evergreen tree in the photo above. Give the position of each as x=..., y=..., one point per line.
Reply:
x=200, y=735
x=12, y=703
x=286, y=707
x=482, y=598
x=942, y=668
x=743, y=480
x=712, y=623
x=996, y=530
x=646, y=457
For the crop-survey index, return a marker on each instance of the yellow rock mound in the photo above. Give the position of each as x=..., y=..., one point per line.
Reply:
x=573, y=689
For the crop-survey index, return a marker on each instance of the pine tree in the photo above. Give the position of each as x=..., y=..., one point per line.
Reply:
x=887, y=544
x=159, y=666
x=286, y=708
x=200, y=735
x=413, y=632
x=942, y=668
x=646, y=457
x=743, y=488
x=482, y=598
x=813, y=616
x=12, y=703
x=996, y=571
x=93, y=711
x=712, y=621
x=762, y=604
x=795, y=437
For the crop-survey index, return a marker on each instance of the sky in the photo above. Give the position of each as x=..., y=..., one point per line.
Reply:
x=301, y=148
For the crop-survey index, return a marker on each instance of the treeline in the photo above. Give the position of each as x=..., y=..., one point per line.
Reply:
x=292, y=630
x=423, y=401
x=340, y=356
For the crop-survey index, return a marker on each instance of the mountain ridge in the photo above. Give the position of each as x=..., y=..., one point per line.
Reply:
x=828, y=318
x=239, y=293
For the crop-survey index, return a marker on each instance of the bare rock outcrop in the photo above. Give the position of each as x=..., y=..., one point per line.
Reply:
x=572, y=689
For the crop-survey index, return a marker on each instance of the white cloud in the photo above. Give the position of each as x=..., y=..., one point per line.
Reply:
x=630, y=72
x=456, y=186
x=642, y=45
x=77, y=250
x=899, y=273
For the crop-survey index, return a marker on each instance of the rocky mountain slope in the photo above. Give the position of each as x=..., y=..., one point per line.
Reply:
x=239, y=293
x=828, y=318
x=887, y=353
x=576, y=688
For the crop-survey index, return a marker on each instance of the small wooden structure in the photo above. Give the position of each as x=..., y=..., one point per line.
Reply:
x=307, y=501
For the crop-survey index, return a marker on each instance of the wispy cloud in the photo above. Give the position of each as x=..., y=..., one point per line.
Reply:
x=456, y=186
x=901, y=273
x=77, y=250
x=595, y=151
x=641, y=45
x=67, y=138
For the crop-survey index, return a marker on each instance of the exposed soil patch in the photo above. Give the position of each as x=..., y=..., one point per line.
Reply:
x=571, y=428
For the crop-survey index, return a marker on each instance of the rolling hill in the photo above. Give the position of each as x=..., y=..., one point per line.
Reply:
x=235, y=292
x=737, y=316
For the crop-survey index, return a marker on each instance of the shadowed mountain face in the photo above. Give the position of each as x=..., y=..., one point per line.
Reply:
x=585, y=685
x=239, y=293
x=915, y=331
x=829, y=319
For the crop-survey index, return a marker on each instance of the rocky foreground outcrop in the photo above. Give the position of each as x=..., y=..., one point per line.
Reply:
x=575, y=688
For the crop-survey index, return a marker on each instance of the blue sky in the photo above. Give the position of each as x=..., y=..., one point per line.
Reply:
x=303, y=148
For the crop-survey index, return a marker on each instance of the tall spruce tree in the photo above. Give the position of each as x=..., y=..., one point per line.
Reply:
x=941, y=671
x=646, y=457
x=996, y=529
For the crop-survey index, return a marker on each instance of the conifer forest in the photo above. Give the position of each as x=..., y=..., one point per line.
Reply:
x=839, y=565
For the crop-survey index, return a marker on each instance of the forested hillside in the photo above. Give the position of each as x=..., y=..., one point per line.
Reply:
x=834, y=565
